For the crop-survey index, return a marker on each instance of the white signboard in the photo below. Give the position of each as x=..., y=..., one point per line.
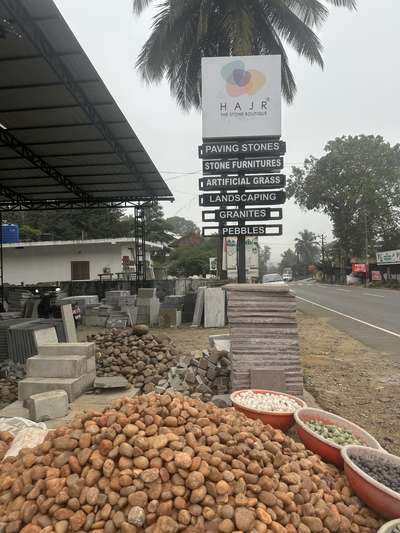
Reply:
x=241, y=96
x=392, y=257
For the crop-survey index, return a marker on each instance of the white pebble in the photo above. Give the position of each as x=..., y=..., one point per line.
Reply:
x=267, y=402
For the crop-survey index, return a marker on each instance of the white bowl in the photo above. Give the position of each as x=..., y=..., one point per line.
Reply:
x=387, y=528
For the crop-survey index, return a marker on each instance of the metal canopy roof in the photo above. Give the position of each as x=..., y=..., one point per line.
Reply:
x=64, y=142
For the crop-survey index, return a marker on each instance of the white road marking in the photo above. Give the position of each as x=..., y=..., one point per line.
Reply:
x=351, y=317
x=376, y=295
x=343, y=290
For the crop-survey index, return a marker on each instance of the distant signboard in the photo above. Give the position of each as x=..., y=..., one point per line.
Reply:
x=392, y=257
x=245, y=213
x=264, y=198
x=265, y=181
x=249, y=148
x=247, y=166
x=262, y=230
x=241, y=96
x=358, y=267
x=376, y=275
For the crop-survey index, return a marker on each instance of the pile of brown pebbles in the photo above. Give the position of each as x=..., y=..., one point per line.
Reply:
x=143, y=359
x=166, y=464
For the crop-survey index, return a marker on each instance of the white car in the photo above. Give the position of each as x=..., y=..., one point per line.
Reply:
x=275, y=279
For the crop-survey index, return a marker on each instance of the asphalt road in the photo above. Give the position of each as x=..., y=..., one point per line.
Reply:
x=369, y=315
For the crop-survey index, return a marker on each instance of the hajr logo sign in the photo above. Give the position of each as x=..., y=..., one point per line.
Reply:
x=241, y=97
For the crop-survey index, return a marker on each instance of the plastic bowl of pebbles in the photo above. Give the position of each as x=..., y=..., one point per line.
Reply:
x=326, y=434
x=271, y=407
x=374, y=476
x=390, y=527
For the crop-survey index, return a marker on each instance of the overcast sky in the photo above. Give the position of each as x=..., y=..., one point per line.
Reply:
x=358, y=92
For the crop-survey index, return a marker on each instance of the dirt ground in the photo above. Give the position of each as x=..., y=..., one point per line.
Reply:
x=344, y=376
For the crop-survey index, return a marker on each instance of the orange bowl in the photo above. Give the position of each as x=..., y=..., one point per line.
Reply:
x=328, y=450
x=283, y=421
x=377, y=496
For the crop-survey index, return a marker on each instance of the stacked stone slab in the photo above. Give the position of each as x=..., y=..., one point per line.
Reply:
x=171, y=311
x=116, y=311
x=263, y=334
x=65, y=366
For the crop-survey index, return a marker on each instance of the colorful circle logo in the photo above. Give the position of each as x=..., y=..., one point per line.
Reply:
x=240, y=81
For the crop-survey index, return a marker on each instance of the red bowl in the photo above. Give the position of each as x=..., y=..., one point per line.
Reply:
x=377, y=496
x=325, y=448
x=283, y=421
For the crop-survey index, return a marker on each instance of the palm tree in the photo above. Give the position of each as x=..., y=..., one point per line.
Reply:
x=184, y=31
x=307, y=247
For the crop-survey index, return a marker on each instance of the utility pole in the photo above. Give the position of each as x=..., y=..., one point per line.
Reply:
x=323, y=254
x=366, y=248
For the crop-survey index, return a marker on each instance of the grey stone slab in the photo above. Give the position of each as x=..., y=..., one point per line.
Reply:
x=74, y=387
x=71, y=366
x=214, y=308
x=271, y=378
x=45, y=336
x=88, y=349
x=69, y=323
x=48, y=405
x=170, y=317
x=94, y=321
x=132, y=312
x=111, y=382
x=199, y=307
x=147, y=292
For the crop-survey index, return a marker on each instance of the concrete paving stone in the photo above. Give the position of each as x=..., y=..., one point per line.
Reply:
x=147, y=292
x=90, y=364
x=48, y=405
x=117, y=382
x=214, y=308
x=199, y=307
x=69, y=323
x=88, y=349
x=45, y=336
x=95, y=321
x=71, y=366
x=74, y=387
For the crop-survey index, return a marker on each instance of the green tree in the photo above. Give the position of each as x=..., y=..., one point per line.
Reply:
x=185, y=31
x=289, y=260
x=306, y=247
x=193, y=260
x=182, y=226
x=263, y=258
x=357, y=184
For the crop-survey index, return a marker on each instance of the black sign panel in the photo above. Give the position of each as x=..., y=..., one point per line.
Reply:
x=264, y=198
x=261, y=230
x=246, y=213
x=248, y=148
x=265, y=181
x=246, y=166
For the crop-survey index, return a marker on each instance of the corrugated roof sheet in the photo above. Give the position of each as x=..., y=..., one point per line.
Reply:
x=66, y=141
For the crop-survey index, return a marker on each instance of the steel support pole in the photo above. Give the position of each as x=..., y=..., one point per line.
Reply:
x=241, y=250
x=1, y=263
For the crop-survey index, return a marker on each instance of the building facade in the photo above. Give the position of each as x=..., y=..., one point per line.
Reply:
x=56, y=261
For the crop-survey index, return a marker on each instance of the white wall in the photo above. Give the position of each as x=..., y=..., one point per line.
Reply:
x=53, y=263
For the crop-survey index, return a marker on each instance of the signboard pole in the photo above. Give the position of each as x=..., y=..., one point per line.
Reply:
x=241, y=250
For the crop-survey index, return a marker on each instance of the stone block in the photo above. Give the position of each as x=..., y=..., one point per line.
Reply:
x=88, y=349
x=222, y=400
x=45, y=336
x=90, y=364
x=48, y=405
x=203, y=363
x=220, y=342
x=74, y=387
x=199, y=307
x=212, y=373
x=214, y=308
x=69, y=323
x=71, y=366
x=110, y=382
x=190, y=376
